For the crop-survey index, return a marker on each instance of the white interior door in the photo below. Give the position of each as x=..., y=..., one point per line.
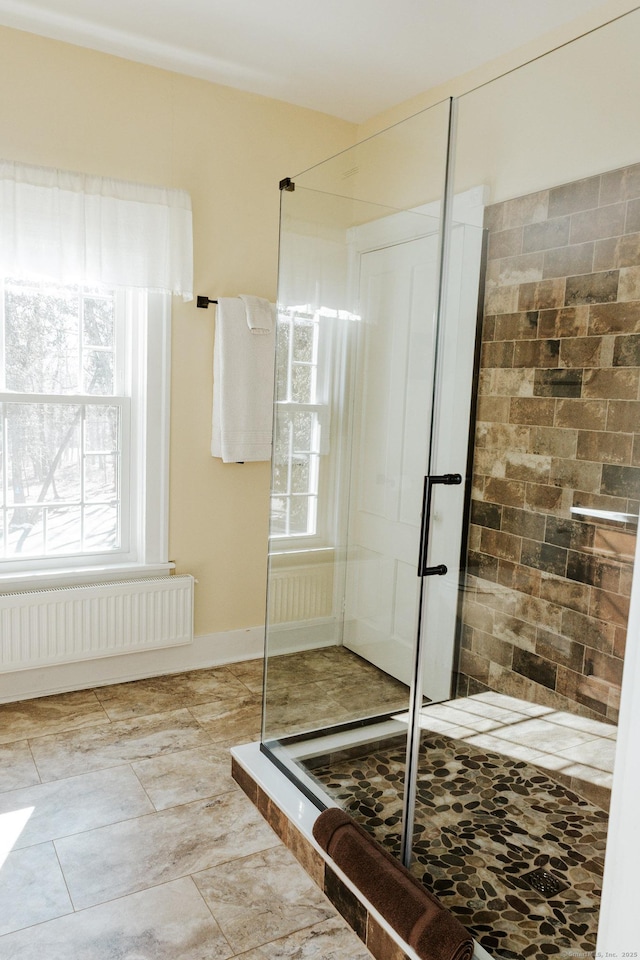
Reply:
x=392, y=414
x=391, y=440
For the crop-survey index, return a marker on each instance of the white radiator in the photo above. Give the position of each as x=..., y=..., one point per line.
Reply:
x=66, y=624
x=299, y=593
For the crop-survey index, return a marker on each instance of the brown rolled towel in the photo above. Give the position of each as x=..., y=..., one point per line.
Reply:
x=415, y=913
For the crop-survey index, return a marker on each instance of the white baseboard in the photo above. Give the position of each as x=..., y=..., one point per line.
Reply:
x=210, y=650
x=308, y=635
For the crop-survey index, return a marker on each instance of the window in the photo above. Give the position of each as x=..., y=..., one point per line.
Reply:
x=87, y=267
x=62, y=439
x=310, y=398
x=294, y=507
x=73, y=399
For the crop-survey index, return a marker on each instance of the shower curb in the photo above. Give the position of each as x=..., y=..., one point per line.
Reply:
x=252, y=770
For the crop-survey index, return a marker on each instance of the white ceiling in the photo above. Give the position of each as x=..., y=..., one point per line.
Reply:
x=349, y=58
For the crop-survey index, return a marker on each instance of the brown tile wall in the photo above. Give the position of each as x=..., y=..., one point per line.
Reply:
x=558, y=427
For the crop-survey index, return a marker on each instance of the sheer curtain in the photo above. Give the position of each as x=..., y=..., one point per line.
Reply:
x=74, y=228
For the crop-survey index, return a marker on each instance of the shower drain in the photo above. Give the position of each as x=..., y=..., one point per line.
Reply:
x=545, y=883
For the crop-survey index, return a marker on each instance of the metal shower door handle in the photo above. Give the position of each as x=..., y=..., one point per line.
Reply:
x=449, y=479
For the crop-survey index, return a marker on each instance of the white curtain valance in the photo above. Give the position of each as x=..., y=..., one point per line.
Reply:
x=74, y=228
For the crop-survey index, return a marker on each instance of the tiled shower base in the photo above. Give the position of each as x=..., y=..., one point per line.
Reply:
x=484, y=821
x=505, y=787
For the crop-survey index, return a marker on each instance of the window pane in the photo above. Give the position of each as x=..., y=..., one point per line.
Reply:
x=63, y=531
x=283, y=433
x=282, y=360
x=101, y=429
x=101, y=527
x=280, y=477
x=300, y=475
x=97, y=373
x=301, y=383
x=100, y=476
x=26, y=532
x=279, y=516
x=299, y=516
x=302, y=430
x=98, y=322
x=304, y=341
x=43, y=452
x=41, y=338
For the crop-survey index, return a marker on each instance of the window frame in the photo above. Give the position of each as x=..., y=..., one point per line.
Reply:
x=143, y=338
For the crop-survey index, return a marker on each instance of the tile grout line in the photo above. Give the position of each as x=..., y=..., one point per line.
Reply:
x=192, y=877
x=64, y=879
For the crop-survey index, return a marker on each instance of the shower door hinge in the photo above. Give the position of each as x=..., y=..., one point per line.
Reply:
x=448, y=479
x=287, y=184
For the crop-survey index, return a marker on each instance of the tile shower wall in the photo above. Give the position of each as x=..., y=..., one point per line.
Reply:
x=557, y=448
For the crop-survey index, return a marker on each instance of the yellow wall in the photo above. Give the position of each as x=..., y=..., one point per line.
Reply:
x=458, y=86
x=528, y=121
x=64, y=106
x=559, y=119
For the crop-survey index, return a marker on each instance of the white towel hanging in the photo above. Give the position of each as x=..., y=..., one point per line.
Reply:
x=260, y=314
x=243, y=371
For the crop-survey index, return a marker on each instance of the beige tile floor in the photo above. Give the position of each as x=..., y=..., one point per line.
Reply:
x=123, y=836
x=324, y=687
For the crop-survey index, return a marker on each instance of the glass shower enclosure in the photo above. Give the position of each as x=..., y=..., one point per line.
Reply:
x=456, y=486
x=372, y=428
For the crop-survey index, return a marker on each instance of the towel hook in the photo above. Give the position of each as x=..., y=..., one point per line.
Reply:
x=204, y=302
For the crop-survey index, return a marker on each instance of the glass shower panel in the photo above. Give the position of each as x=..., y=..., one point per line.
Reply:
x=358, y=292
x=518, y=759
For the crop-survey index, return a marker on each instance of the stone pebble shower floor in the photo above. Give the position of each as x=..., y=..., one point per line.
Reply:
x=483, y=821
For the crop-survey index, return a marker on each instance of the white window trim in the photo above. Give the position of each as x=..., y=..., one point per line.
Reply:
x=150, y=438
x=148, y=469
